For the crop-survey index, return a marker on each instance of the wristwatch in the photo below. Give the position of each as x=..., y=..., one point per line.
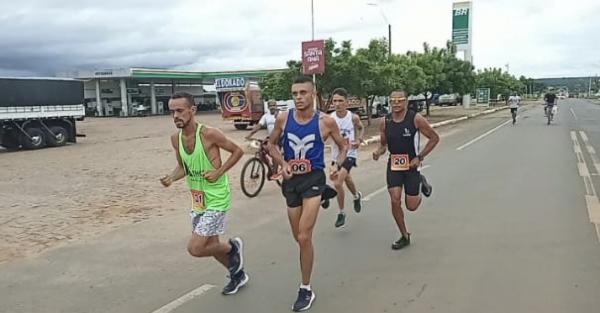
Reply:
x=421, y=157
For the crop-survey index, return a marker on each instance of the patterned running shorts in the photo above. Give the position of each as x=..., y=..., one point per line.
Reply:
x=209, y=223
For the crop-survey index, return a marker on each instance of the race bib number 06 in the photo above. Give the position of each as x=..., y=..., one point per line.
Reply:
x=198, y=200
x=300, y=166
x=400, y=162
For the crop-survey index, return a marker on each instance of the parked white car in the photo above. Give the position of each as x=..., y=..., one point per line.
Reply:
x=448, y=99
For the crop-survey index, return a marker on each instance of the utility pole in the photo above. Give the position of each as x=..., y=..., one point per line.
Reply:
x=389, y=40
x=312, y=17
x=389, y=26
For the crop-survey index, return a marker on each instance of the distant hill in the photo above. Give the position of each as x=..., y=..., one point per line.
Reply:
x=573, y=84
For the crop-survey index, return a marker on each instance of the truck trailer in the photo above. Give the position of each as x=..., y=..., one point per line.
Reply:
x=39, y=112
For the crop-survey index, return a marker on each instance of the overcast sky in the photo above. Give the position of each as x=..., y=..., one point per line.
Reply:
x=537, y=38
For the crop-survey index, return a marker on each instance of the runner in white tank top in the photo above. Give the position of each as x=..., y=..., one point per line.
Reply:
x=352, y=131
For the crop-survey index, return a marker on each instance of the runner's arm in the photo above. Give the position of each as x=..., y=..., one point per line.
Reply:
x=359, y=127
x=178, y=173
x=273, y=146
x=426, y=129
x=382, y=141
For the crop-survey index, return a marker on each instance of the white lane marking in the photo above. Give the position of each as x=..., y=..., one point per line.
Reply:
x=589, y=186
x=584, y=136
x=593, y=208
x=591, y=151
x=483, y=135
x=591, y=197
x=374, y=193
x=596, y=162
x=169, y=307
x=577, y=149
x=574, y=137
x=583, y=170
x=385, y=188
x=573, y=112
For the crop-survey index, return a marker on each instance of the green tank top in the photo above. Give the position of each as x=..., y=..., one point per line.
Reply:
x=205, y=195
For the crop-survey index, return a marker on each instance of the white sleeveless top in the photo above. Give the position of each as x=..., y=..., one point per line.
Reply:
x=347, y=130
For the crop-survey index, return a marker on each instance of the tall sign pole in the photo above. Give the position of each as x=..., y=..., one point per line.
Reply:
x=312, y=17
x=462, y=30
x=313, y=57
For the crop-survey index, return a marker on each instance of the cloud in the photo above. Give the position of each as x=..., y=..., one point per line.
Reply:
x=42, y=37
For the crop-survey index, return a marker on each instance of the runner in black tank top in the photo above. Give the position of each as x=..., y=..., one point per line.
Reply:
x=400, y=134
x=403, y=138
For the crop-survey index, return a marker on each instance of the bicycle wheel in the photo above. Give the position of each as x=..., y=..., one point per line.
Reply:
x=253, y=177
x=549, y=117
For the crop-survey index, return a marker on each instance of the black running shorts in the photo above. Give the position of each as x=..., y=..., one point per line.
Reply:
x=303, y=186
x=348, y=164
x=410, y=180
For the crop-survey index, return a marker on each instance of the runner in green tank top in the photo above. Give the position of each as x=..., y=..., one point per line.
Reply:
x=198, y=154
x=205, y=195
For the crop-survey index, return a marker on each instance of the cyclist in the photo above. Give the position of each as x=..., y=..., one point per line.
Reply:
x=268, y=121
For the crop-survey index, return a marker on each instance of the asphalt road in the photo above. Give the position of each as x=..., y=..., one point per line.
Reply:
x=512, y=226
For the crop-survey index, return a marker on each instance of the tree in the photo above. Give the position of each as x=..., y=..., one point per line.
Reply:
x=371, y=71
x=444, y=73
x=278, y=85
x=499, y=82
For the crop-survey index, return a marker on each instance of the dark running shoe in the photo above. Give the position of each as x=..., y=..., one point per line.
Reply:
x=305, y=299
x=341, y=220
x=358, y=202
x=426, y=188
x=236, y=282
x=401, y=243
x=236, y=255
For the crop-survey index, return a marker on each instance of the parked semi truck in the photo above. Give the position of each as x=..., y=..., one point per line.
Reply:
x=39, y=112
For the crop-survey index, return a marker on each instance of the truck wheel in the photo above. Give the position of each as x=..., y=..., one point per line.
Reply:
x=9, y=142
x=60, y=136
x=240, y=126
x=38, y=139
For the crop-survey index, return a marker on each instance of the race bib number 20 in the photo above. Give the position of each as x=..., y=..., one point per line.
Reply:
x=300, y=166
x=399, y=162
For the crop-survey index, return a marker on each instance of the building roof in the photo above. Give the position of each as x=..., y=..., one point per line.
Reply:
x=165, y=75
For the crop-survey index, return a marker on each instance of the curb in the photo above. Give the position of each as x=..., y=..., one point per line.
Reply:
x=375, y=139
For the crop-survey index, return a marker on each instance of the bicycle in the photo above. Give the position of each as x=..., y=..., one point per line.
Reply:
x=255, y=168
x=550, y=111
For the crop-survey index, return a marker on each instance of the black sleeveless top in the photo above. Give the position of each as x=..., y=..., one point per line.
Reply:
x=402, y=137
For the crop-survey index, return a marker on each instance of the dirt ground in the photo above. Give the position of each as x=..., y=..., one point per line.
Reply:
x=109, y=179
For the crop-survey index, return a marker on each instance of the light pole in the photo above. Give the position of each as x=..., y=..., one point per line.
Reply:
x=389, y=27
x=312, y=18
x=312, y=23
